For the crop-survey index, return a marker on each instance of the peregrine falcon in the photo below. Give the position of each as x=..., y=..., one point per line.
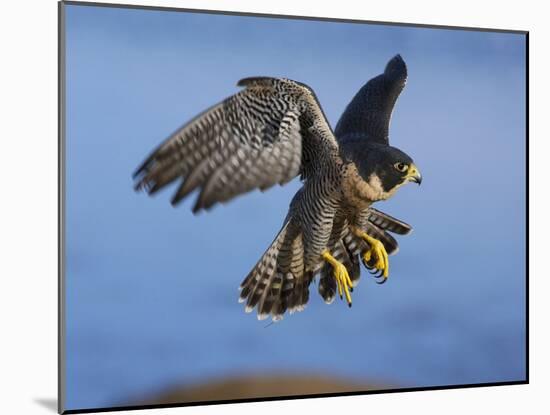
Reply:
x=271, y=131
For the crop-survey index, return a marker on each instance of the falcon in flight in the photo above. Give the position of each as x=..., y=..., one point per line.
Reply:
x=268, y=133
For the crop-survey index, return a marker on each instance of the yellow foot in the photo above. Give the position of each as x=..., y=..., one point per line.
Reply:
x=377, y=253
x=340, y=275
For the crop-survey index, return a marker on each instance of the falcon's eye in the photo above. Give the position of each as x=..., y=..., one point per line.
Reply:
x=402, y=167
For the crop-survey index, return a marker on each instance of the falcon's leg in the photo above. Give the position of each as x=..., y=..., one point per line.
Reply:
x=376, y=252
x=340, y=275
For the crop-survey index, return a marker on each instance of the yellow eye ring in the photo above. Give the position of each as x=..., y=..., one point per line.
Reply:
x=402, y=167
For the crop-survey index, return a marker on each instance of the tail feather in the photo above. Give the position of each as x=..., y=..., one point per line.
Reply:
x=281, y=306
x=300, y=295
x=293, y=298
x=271, y=294
x=255, y=283
x=279, y=309
x=262, y=279
x=277, y=283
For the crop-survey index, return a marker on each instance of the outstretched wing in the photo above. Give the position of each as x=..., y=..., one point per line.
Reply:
x=267, y=133
x=369, y=112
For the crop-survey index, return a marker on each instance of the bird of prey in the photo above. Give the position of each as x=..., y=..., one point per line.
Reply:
x=271, y=131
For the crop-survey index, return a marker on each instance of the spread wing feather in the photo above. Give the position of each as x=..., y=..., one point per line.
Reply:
x=387, y=222
x=265, y=134
x=369, y=112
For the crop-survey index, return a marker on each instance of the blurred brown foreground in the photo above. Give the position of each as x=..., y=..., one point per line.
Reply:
x=259, y=386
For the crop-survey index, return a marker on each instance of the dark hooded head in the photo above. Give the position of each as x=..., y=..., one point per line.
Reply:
x=380, y=170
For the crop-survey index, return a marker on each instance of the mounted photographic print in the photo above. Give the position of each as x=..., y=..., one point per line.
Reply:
x=260, y=207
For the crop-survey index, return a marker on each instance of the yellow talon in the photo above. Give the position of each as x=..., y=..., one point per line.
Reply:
x=377, y=250
x=340, y=275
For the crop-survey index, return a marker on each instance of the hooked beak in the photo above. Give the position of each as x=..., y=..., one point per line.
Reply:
x=414, y=175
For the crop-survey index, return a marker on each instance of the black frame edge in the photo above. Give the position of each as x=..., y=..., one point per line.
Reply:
x=61, y=206
x=527, y=207
x=292, y=17
x=291, y=398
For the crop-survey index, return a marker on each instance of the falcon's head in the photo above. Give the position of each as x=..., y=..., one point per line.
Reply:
x=375, y=172
x=387, y=168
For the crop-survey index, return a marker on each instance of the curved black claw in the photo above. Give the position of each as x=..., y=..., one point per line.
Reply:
x=378, y=273
x=382, y=280
x=369, y=264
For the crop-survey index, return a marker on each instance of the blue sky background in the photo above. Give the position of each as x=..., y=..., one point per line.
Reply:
x=151, y=291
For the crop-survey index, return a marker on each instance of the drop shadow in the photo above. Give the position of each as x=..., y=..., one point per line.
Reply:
x=48, y=403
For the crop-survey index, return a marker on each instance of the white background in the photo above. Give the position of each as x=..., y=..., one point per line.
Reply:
x=28, y=203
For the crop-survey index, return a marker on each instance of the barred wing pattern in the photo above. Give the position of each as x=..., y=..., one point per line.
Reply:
x=369, y=112
x=263, y=135
x=386, y=222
